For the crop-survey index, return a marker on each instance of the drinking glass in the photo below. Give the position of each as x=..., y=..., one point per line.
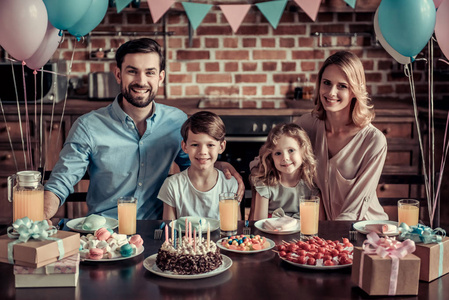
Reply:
x=127, y=211
x=229, y=212
x=309, y=210
x=408, y=212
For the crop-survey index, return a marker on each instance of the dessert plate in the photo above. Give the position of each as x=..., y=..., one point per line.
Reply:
x=76, y=225
x=305, y=266
x=150, y=264
x=271, y=246
x=360, y=226
x=139, y=251
x=259, y=225
x=214, y=224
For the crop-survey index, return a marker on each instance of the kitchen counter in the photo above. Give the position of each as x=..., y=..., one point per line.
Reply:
x=383, y=107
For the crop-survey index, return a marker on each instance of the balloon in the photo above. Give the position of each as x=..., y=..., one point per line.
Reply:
x=397, y=56
x=442, y=26
x=64, y=14
x=46, y=49
x=22, y=26
x=91, y=18
x=407, y=25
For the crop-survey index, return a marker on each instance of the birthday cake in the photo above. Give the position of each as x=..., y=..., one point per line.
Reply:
x=189, y=257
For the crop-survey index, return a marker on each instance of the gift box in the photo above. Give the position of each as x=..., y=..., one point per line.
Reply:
x=373, y=274
x=37, y=253
x=434, y=259
x=62, y=273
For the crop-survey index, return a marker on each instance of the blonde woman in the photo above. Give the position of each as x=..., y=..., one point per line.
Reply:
x=350, y=151
x=286, y=171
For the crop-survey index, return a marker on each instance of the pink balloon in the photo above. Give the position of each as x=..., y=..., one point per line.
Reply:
x=437, y=3
x=46, y=49
x=22, y=26
x=442, y=26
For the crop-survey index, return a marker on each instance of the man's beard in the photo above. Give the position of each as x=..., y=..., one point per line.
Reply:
x=142, y=101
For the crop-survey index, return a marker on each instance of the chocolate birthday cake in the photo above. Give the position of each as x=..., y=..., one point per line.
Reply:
x=187, y=259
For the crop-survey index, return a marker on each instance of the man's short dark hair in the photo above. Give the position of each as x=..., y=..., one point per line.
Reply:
x=143, y=45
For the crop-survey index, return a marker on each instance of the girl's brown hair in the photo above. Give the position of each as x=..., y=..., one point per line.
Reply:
x=267, y=172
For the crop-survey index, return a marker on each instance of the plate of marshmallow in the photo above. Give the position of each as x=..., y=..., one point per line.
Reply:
x=105, y=245
x=388, y=228
x=282, y=225
x=91, y=223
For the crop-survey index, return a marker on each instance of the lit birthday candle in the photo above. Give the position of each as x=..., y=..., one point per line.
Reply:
x=208, y=236
x=173, y=230
x=187, y=228
x=190, y=233
x=194, y=240
x=174, y=237
x=200, y=232
x=180, y=236
x=166, y=234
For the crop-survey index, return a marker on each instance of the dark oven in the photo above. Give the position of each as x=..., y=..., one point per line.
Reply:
x=244, y=137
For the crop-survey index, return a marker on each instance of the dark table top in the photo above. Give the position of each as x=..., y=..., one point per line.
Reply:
x=252, y=276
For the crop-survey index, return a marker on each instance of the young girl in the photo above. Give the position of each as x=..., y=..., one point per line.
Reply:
x=286, y=171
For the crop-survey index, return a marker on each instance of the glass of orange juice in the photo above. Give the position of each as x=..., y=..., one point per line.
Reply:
x=408, y=212
x=309, y=210
x=229, y=213
x=127, y=211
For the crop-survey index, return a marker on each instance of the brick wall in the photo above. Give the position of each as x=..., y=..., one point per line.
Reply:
x=257, y=61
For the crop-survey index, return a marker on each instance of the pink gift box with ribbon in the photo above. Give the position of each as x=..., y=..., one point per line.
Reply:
x=61, y=273
x=385, y=266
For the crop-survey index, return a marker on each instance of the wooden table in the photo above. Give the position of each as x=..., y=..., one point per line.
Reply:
x=251, y=276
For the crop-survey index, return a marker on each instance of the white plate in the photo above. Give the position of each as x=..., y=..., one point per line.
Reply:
x=360, y=226
x=305, y=266
x=139, y=251
x=214, y=224
x=272, y=244
x=76, y=225
x=259, y=225
x=150, y=264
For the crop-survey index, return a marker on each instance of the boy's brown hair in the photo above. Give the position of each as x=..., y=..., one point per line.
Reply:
x=204, y=122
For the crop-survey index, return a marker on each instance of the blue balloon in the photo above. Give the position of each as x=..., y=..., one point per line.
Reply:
x=407, y=25
x=91, y=18
x=63, y=14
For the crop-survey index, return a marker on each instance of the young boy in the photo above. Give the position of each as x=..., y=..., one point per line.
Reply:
x=195, y=191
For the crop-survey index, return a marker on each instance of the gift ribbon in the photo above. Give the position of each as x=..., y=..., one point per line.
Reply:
x=421, y=233
x=440, y=265
x=383, y=247
x=25, y=229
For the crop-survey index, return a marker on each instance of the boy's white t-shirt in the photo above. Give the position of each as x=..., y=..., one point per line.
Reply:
x=178, y=192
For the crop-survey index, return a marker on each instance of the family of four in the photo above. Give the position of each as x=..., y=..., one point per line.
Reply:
x=128, y=147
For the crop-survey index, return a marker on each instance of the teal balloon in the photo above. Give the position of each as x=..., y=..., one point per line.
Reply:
x=91, y=18
x=64, y=14
x=407, y=25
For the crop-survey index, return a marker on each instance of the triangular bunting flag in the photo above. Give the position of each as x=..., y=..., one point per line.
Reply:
x=121, y=4
x=235, y=13
x=351, y=3
x=272, y=10
x=196, y=12
x=310, y=7
x=158, y=8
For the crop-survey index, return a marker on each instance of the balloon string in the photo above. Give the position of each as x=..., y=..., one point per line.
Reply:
x=443, y=163
x=18, y=114
x=27, y=118
x=431, y=126
x=409, y=73
x=63, y=108
x=9, y=137
x=41, y=123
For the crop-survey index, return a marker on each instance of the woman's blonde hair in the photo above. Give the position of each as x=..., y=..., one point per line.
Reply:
x=361, y=108
x=267, y=172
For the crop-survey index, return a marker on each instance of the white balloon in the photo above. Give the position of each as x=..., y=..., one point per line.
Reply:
x=396, y=55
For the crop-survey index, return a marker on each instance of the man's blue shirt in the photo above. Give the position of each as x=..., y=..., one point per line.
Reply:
x=106, y=144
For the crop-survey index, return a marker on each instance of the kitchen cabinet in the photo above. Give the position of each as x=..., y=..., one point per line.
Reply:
x=395, y=119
